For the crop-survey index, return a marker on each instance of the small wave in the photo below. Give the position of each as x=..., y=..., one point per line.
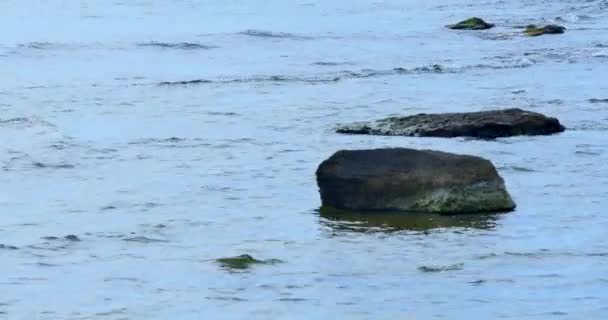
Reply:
x=143, y=239
x=176, y=45
x=600, y=54
x=270, y=34
x=39, y=45
x=22, y=122
x=361, y=74
x=184, y=83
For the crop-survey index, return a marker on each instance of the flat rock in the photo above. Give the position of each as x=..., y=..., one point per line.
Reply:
x=483, y=124
x=533, y=30
x=471, y=24
x=409, y=180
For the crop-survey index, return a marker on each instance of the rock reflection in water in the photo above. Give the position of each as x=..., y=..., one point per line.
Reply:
x=361, y=221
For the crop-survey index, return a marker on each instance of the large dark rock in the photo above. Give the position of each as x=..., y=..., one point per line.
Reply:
x=483, y=124
x=412, y=181
x=471, y=24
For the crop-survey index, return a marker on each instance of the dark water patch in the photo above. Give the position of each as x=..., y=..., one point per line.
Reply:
x=273, y=35
x=223, y=298
x=549, y=275
x=112, y=279
x=142, y=239
x=541, y=254
x=39, y=45
x=434, y=268
x=158, y=140
x=112, y=312
x=343, y=220
x=176, y=45
x=7, y=247
x=173, y=142
x=185, y=83
x=516, y=169
x=331, y=64
x=53, y=166
x=495, y=36
x=594, y=100
x=597, y=254
x=292, y=299
x=587, y=153
x=46, y=265
x=226, y=114
x=590, y=125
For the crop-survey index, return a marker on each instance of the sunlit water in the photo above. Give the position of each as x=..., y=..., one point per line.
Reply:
x=166, y=134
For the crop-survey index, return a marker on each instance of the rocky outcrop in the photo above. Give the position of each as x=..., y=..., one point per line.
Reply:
x=412, y=181
x=483, y=124
x=533, y=30
x=471, y=24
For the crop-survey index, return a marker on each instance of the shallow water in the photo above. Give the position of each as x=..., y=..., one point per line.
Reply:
x=165, y=135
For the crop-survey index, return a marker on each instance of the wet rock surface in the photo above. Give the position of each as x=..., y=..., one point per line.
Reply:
x=243, y=261
x=483, y=124
x=534, y=30
x=411, y=181
x=471, y=24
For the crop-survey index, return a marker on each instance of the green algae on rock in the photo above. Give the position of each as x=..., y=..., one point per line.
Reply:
x=243, y=261
x=533, y=30
x=471, y=24
x=411, y=181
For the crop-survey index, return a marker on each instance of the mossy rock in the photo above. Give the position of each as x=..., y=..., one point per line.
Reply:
x=534, y=30
x=243, y=261
x=471, y=24
x=411, y=181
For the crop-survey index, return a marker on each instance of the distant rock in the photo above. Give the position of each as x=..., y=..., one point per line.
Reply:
x=483, y=124
x=72, y=237
x=471, y=24
x=3, y=246
x=411, y=180
x=594, y=100
x=243, y=261
x=533, y=30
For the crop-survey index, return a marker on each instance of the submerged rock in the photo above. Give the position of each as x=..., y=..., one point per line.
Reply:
x=452, y=267
x=594, y=100
x=411, y=180
x=72, y=237
x=533, y=30
x=243, y=261
x=471, y=24
x=483, y=124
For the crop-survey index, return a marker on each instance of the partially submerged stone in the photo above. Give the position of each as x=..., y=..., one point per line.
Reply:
x=471, y=24
x=483, y=124
x=534, y=30
x=243, y=261
x=409, y=180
